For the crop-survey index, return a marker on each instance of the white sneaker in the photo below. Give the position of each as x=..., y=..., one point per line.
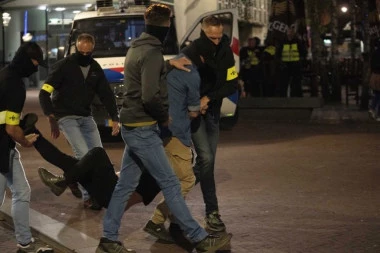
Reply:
x=35, y=246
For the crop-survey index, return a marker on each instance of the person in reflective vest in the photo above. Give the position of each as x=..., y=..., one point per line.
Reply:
x=249, y=73
x=290, y=54
x=268, y=68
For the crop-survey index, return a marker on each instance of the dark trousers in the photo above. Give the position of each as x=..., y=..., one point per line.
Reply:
x=290, y=75
x=205, y=136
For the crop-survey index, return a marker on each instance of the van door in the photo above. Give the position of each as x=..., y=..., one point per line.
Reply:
x=231, y=29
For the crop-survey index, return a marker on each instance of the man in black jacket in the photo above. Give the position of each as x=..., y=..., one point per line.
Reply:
x=219, y=79
x=73, y=82
x=12, y=99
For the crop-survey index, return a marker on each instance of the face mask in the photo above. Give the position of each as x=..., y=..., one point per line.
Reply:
x=159, y=32
x=83, y=60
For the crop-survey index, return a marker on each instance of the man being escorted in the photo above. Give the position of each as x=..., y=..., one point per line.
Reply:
x=12, y=174
x=145, y=106
x=73, y=82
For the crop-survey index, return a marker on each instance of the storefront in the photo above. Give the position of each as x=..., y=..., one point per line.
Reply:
x=49, y=26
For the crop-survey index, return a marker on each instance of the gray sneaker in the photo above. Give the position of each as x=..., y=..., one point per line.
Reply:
x=106, y=245
x=159, y=231
x=35, y=246
x=212, y=243
x=56, y=183
x=214, y=222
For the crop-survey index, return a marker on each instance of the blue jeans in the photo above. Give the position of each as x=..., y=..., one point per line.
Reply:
x=144, y=149
x=205, y=138
x=83, y=135
x=19, y=186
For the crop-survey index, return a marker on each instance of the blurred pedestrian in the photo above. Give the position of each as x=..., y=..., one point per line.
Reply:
x=250, y=57
x=374, y=83
x=290, y=53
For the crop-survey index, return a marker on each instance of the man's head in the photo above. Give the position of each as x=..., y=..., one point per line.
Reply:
x=253, y=42
x=157, y=15
x=85, y=46
x=213, y=29
x=27, y=58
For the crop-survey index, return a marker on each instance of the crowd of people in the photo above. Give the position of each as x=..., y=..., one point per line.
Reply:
x=171, y=111
x=272, y=70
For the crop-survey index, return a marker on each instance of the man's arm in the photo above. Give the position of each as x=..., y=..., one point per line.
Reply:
x=107, y=97
x=154, y=95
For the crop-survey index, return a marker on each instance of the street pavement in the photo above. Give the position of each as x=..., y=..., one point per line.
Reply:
x=299, y=186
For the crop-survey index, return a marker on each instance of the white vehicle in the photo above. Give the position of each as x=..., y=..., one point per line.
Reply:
x=115, y=28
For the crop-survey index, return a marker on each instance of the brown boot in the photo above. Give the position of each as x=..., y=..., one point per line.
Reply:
x=57, y=184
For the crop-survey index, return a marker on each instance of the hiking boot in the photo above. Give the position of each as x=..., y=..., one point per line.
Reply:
x=92, y=204
x=57, y=184
x=35, y=246
x=212, y=243
x=214, y=223
x=106, y=245
x=159, y=231
x=75, y=190
x=28, y=122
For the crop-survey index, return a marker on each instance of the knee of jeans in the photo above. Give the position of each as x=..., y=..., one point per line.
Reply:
x=21, y=194
x=205, y=161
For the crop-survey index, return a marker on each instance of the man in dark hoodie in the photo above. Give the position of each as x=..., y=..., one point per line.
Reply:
x=73, y=83
x=145, y=107
x=12, y=99
x=219, y=80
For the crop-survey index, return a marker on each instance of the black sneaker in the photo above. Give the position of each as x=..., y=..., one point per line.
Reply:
x=106, y=245
x=214, y=222
x=57, y=184
x=212, y=243
x=35, y=246
x=75, y=190
x=28, y=122
x=159, y=231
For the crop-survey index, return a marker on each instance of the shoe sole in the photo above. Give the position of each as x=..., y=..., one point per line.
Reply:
x=156, y=235
x=223, y=243
x=57, y=191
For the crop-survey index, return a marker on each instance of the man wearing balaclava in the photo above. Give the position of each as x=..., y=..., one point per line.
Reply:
x=66, y=99
x=12, y=99
x=218, y=80
x=145, y=107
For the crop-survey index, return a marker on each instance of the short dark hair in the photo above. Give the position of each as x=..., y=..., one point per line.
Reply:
x=157, y=14
x=85, y=37
x=211, y=21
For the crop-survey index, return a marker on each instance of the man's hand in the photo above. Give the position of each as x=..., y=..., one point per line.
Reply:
x=193, y=115
x=115, y=128
x=180, y=63
x=166, y=123
x=54, y=128
x=31, y=138
x=204, y=104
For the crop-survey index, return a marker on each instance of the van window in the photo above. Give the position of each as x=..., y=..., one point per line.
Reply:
x=113, y=35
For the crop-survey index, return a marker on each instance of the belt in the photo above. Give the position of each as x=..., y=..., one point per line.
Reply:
x=128, y=128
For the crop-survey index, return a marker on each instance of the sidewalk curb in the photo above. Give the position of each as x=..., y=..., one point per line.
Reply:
x=53, y=232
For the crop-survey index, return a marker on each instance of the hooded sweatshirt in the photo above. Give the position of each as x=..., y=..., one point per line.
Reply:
x=13, y=94
x=146, y=98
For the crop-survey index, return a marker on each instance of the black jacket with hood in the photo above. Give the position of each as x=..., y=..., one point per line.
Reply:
x=13, y=94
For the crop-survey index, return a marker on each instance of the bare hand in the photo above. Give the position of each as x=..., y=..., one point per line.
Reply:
x=243, y=94
x=193, y=115
x=180, y=63
x=166, y=123
x=204, y=102
x=54, y=128
x=31, y=138
x=115, y=128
